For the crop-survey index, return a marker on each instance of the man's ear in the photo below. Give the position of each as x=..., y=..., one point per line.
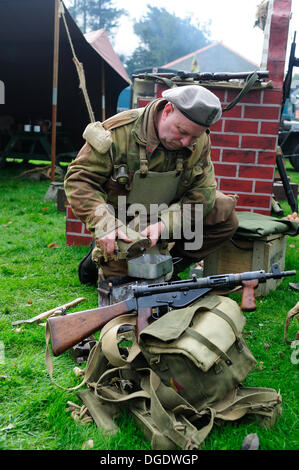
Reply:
x=168, y=109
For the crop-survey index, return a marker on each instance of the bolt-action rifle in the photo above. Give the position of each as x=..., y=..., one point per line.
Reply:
x=68, y=330
x=204, y=76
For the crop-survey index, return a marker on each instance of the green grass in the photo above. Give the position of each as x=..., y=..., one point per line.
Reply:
x=36, y=278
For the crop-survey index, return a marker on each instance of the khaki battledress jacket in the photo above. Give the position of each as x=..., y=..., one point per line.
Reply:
x=89, y=180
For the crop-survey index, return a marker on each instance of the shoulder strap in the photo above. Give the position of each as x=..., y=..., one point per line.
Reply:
x=110, y=342
x=292, y=313
x=49, y=365
x=121, y=119
x=250, y=81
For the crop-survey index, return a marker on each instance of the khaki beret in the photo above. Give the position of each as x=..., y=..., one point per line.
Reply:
x=195, y=102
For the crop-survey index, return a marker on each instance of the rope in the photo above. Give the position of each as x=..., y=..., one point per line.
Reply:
x=79, y=67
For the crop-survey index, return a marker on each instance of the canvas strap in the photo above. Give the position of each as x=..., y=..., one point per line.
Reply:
x=290, y=315
x=174, y=422
x=110, y=341
x=255, y=400
x=250, y=81
x=49, y=364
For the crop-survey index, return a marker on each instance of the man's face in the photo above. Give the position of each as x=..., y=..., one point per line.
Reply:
x=175, y=131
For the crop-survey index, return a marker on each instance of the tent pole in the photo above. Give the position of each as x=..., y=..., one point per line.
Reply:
x=103, y=91
x=55, y=88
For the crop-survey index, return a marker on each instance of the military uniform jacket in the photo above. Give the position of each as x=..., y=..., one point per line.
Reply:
x=89, y=180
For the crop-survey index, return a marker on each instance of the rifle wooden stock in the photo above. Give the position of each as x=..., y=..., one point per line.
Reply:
x=248, y=303
x=144, y=314
x=68, y=330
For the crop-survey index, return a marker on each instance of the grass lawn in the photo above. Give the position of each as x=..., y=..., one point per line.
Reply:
x=36, y=276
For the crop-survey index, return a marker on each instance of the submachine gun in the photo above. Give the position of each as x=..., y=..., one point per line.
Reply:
x=152, y=300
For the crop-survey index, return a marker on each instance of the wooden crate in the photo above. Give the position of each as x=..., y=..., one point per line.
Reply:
x=249, y=255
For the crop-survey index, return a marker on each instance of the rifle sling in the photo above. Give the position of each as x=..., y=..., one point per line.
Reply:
x=250, y=81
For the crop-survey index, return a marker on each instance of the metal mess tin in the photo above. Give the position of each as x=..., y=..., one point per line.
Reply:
x=149, y=266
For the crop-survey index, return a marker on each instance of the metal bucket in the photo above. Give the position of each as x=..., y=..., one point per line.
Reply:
x=150, y=266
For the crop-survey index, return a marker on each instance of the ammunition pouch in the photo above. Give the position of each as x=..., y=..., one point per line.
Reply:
x=98, y=137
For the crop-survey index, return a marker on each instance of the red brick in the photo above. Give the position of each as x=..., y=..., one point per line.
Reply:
x=253, y=96
x=252, y=200
x=263, y=187
x=78, y=240
x=278, y=34
x=276, y=71
x=266, y=158
x=256, y=172
x=217, y=127
x=225, y=170
x=261, y=112
x=272, y=96
x=240, y=126
x=236, y=185
x=219, y=93
x=256, y=142
x=225, y=140
x=215, y=154
x=74, y=226
x=270, y=128
x=69, y=213
x=238, y=156
x=235, y=112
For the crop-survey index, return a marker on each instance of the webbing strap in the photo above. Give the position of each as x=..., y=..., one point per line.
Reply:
x=143, y=161
x=111, y=395
x=225, y=317
x=250, y=81
x=49, y=365
x=290, y=315
x=109, y=341
x=249, y=399
x=177, y=427
x=202, y=339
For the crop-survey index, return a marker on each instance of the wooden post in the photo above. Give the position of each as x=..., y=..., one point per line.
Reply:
x=55, y=88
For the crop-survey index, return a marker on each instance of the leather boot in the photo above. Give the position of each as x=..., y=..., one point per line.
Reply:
x=88, y=270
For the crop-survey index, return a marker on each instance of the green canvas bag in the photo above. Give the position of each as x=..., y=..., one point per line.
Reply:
x=182, y=376
x=199, y=350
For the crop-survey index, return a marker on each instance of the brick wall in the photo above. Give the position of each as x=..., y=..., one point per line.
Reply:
x=76, y=233
x=244, y=147
x=244, y=141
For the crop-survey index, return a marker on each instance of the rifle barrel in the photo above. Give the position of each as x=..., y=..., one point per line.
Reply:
x=221, y=280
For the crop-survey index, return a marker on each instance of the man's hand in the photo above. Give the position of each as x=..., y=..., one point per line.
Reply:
x=293, y=217
x=108, y=245
x=153, y=232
